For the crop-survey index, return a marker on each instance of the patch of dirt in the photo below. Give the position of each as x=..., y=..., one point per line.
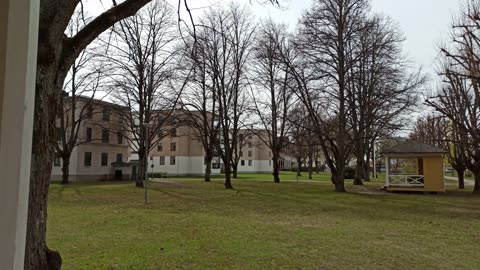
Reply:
x=464, y=210
x=370, y=190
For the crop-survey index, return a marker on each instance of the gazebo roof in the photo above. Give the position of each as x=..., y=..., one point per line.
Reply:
x=413, y=147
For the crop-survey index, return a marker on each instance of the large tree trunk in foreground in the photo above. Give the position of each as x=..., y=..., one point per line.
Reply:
x=65, y=169
x=56, y=53
x=37, y=254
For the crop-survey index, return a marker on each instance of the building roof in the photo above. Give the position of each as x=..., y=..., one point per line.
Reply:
x=96, y=102
x=413, y=147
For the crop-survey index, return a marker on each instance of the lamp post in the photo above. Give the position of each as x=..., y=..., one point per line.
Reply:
x=146, y=125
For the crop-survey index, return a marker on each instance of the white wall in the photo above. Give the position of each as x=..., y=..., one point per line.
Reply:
x=18, y=48
x=258, y=166
x=184, y=166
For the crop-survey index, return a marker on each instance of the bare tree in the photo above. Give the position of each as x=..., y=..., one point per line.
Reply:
x=381, y=91
x=84, y=79
x=297, y=142
x=459, y=98
x=56, y=53
x=142, y=55
x=199, y=100
x=323, y=71
x=228, y=36
x=272, y=94
x=241, y=37
x=440, y=132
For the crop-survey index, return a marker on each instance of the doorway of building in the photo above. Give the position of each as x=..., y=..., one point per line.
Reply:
x=118, y=174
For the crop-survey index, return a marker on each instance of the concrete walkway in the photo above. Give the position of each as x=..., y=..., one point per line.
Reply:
x=467, y=181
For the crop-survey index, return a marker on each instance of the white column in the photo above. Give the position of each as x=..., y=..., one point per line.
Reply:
x=387, y=171
x=18, y=49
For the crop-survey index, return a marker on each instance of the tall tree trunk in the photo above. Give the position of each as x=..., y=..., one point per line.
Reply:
x=338, y=182
x=359, y=164
x=141, y=170
x=317, y=167
x=65, y=169
x=310, y=167
x=299, y=167
x=208, y=170
x=366, y=171
x=340, y=177
x=461, y=179
x=228, y=173
x=235, y=170
x=476, y=187
x=37, y=254
x=276, y=169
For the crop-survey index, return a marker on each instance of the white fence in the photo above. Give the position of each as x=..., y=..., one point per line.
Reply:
x=406, y=180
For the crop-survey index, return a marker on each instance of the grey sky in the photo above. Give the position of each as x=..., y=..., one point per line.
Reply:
x=425, y=23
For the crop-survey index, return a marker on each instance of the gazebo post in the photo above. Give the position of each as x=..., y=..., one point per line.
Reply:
x=387, y=171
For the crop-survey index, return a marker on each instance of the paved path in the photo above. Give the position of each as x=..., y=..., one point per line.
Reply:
x=467, y=181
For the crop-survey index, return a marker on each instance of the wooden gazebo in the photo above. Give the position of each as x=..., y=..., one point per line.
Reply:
x=414, y=166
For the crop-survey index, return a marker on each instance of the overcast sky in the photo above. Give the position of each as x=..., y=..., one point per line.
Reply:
x=425, y=23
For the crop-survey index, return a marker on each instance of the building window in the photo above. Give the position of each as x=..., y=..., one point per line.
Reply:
x=249, y=153
x=250, y=136
x=173, y=132
x=56, y=161
x=89, y=112
x=173, y=146
x=215, y=165
x=105, y=136
x=270, y=162
x=173, y=160
x=120, y=117
x=119, y=138
x=89, y=134
x=250, y=145
x=87, y=159
x=162, y=160
x=159, y=147
x=119, y=158
x=242, y=162
x=241, y=153
x=106, y=115
x=160, y=134
x=269, y=154
x=104, y=159
x=250, y=162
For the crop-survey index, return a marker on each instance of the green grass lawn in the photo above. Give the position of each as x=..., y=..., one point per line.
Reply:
x=284, y=175
x=189, y=224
